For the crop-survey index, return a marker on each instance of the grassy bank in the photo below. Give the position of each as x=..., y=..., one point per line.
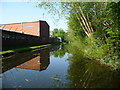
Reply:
x=95, y=51
x=22, y=49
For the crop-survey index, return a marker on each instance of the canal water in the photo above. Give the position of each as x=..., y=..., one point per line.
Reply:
x=56, y=67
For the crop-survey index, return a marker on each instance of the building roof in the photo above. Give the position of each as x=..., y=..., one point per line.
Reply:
x=25, y=22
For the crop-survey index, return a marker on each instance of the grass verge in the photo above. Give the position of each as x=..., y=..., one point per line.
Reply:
x=23, y=49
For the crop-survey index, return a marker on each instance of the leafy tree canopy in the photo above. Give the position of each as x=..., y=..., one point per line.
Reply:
x=58, y=33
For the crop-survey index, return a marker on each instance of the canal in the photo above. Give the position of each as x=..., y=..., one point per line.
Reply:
x=56, y=67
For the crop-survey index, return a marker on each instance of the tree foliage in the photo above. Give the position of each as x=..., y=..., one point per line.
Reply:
x=93, y=27
x=58, y=33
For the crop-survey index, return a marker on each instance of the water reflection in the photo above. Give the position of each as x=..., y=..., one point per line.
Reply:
x=35, y=69
x=33, y=60
x=60, y=52
x=59, y=70
x=90, y=74
x=85, y=73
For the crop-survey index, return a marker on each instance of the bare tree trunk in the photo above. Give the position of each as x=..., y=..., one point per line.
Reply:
x=83, y=22
x=82, y=26
x=85, y=19
x=90, y=24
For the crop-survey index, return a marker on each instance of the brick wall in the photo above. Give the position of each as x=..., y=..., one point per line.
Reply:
x=44, y=29
x=14, y=39
x=27, y=33
x=30, y=28
x=38, y=28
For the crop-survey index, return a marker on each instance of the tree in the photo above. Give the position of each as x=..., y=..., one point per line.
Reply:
x=92, y=27
x=59, y=33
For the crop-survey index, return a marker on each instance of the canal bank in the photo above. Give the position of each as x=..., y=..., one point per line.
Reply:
x=24, y=49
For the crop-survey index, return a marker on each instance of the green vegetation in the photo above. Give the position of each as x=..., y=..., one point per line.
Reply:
x=95, y=31
x=93, y=28
x=86, y=73
x=59, y=33
x=23, y=49
x=60, y=52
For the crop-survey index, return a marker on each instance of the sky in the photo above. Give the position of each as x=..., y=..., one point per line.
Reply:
x=16, y=12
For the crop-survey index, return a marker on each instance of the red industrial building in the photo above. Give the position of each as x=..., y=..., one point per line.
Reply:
x=36, y=28
x=39, y=62
x=26, y=33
